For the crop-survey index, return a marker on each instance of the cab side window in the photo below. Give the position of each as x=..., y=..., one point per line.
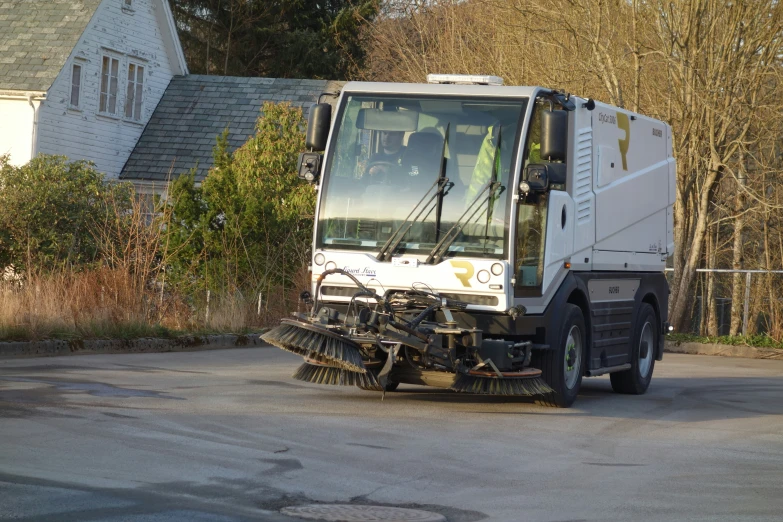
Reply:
x=530, y=241
x=531, y=218
x=533, y=143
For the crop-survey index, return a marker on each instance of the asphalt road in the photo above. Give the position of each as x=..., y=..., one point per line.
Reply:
x=227, y=435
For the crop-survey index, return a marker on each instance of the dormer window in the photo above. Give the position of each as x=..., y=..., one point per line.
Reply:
x=110, y=70
x=77, y=72
x=134, y=95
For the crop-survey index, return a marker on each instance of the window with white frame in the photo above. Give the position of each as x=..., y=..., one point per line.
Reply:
x=110, y=70
x=77, y=69
x=134, y=94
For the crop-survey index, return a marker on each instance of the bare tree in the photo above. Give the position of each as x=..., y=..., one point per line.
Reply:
x=708, y=67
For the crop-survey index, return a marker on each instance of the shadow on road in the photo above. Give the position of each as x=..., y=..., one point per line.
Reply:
x=703, y=398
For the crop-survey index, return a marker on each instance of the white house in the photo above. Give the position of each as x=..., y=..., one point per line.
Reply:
x=81, y=78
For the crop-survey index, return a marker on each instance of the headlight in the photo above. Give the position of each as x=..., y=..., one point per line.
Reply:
x=497, y=269
x=319, y=259
x=483, y=276
x=330, y=265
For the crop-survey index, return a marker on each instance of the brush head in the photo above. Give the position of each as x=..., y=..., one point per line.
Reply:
x=527, y=382
x=319, y=373
x=316, y=343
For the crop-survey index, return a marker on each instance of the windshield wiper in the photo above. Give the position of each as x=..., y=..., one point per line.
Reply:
x=495, y=188
x=396, y=237
x=442, y=182
x=437, y=253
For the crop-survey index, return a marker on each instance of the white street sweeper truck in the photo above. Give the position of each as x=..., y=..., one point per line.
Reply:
x=484, y=238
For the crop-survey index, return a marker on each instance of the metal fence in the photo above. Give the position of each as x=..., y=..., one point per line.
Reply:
x=749, y=297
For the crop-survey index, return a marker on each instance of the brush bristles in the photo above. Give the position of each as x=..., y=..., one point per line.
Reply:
x=319, y=374
x=494, y=386
x=309, y=343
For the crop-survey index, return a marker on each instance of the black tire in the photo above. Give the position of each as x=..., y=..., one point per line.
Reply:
x=554, y=365
x=636, y=380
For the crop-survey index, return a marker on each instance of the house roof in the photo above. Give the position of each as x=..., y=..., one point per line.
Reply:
x=195, y=109
x=36, y=38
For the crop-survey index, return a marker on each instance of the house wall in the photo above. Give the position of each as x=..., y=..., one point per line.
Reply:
x=83, y=133
x=16, y=128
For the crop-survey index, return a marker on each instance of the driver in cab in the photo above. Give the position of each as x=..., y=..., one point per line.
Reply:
x=389, y=155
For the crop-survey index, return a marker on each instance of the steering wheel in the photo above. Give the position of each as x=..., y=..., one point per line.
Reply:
x=389, y=166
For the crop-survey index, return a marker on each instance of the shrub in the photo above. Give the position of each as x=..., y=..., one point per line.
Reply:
x=248, y=227
x=50, y=210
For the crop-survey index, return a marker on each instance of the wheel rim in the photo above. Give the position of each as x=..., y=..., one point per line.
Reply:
x=645, y=363
x=573, y=356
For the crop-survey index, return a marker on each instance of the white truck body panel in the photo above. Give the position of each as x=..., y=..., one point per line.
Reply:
x=582, y=169
x=620, y=191
x=633, y=188
x=450, y=276
x=559, y=238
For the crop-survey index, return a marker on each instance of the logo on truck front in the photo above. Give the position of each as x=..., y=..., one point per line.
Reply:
x=465, y=276
x=361, y=272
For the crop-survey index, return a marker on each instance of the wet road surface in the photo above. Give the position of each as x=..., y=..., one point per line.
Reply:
x=227, y=435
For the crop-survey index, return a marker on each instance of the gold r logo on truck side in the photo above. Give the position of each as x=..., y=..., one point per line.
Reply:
x=624, y=124
x=465, y=276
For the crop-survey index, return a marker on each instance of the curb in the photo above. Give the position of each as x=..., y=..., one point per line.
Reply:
x=190, y=343
x=723, y=350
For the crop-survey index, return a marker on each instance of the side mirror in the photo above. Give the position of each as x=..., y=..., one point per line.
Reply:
x=554, y=135
x=309, y=166
x=539, y=177
x=536, y=179
x=318, y=126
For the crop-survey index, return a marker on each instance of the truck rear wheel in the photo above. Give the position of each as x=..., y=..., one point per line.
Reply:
x=636, y=380
x=562, y=365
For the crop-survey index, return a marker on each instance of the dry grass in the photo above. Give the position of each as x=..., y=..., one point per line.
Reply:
x=238, y=312
x=93, y=304
x=111, y=303
x=125, y=294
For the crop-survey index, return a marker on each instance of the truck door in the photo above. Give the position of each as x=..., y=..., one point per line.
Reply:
x=544, y=227
x=531, y=216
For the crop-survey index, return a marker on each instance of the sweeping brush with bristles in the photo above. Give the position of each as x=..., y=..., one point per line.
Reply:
x=316, y=343
x=326, y=374
x=526, y=382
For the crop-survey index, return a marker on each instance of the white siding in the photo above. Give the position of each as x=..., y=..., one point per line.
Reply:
x=84, y=134
x=16, y=129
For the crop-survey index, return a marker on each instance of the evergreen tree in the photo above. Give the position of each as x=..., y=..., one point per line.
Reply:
x=274, y=38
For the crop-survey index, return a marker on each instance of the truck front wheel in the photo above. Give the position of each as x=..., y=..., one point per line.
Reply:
x=562, y=365
x=635, y=380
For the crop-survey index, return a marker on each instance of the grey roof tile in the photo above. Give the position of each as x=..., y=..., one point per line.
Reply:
x=46, y=31
x=195, y=109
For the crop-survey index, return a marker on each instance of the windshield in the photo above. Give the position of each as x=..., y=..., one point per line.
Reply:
x=389, y=151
